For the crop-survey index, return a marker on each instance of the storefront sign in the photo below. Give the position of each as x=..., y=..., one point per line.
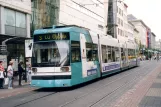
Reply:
x=28, y=47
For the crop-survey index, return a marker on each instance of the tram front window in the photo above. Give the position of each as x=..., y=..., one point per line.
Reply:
x=51, y=54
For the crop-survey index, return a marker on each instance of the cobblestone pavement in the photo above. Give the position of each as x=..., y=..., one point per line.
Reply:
x=147, y=93
x=153, y=96
x=126, y=89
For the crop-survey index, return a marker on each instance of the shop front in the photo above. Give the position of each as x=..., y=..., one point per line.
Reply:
x=12, y=49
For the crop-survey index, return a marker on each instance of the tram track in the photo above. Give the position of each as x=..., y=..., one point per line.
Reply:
x=80, y=97
x=38, y=96
x=128, y=84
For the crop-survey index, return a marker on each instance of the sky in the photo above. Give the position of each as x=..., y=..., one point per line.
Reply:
x=149, y=12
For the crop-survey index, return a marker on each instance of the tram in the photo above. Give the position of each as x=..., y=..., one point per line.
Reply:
x=64, y=56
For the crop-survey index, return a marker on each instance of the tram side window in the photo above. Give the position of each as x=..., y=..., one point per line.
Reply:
x=131, y=53
x=92, y=52
x=104, y=54
x=122, y=54
x=75, y=51
x=134, y=53
x=117, y=54
x=113, y=54
x=89, y=51
x=109, y=53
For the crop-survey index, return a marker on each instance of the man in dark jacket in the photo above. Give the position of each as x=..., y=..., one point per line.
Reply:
x=20, y=71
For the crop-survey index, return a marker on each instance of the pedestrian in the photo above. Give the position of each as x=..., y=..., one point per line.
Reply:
x=1, y=74
x=20, y=72
x=10, y=75
x=150, y=57
x=29, y=74
x=157, y=57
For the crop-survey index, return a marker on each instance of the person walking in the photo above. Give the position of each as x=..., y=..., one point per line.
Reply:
x=150, y=57
x=157, y=57
x=10, y=75
x=1, y=74
x=29, y=74
x=20, y=71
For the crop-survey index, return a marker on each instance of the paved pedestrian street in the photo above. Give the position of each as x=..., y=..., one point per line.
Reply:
x=137, y=87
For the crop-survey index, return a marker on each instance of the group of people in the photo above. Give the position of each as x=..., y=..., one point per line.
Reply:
x=10, y=72
x=154, y=57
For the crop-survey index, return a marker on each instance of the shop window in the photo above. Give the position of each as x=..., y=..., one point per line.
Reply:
x=75, y=51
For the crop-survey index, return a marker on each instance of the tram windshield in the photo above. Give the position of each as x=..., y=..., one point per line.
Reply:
x=51, y=54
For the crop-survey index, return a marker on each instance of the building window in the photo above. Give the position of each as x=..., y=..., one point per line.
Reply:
x=122, y=13
x=20, y=20
x=121, y=22
x=119, y=11
x=118, y=31
x=15, y=23
x=10, y=17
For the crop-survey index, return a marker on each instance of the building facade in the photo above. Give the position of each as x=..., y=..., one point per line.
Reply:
x=91, y=14
x=153, y=37
x=131, y=32
x=14, y=29
x=148, y=37
x=122, y=22
x=142, y=35
x=158, y=45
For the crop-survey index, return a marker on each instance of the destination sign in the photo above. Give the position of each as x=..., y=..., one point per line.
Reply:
x=49, y=37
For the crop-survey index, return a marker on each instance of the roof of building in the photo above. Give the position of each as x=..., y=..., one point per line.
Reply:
x=131, y=17
x=131, y=24
x=153, y=34
x=139, y=20
x=125, y=5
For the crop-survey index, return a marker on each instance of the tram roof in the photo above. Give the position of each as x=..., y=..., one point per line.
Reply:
x=58, y=29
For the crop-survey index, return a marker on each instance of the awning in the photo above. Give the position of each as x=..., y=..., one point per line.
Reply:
x=12, y=39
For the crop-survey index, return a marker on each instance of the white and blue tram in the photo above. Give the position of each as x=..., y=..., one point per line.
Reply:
x=64, y=56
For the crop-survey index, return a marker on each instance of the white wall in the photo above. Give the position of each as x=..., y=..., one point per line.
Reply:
x=122, y=18
x=153, y=41
x=88, y=16
x=21, y=5
x=157, y=45
x=142, y=32
x=130, y=33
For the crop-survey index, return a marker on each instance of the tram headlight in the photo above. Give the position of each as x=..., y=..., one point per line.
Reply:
x=64, y=69
x=34, y=70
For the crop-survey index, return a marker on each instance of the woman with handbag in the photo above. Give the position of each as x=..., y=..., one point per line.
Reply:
x=10, y=75
x=1, y=74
